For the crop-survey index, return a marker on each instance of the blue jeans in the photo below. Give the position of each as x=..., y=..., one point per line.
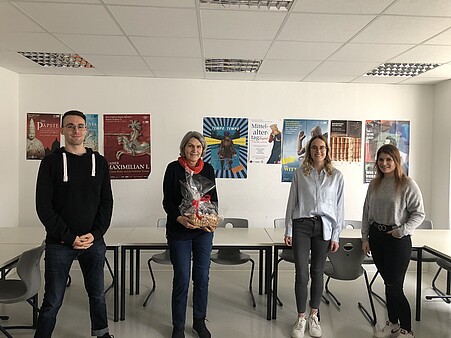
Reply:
x=180, y=251
x=392, y=256
x=58, y=261
x=308, y=237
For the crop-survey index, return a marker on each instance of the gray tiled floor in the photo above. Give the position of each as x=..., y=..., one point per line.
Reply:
x=230, y=313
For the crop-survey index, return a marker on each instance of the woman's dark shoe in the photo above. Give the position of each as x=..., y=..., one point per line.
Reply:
x=200, y=328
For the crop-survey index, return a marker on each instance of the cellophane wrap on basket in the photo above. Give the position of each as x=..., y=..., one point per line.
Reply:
x=196, y=203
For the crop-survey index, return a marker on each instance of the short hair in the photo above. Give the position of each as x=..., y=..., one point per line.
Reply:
x=189, y=135
x=73, y=113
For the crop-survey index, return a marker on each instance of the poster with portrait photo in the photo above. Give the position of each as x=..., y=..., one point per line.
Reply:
x=380, y=132
x=43, y=134
x=227, y=146
x=92, y=132
x=346, y=141
x=265, y=141
x=127, y=145
x=296, y=134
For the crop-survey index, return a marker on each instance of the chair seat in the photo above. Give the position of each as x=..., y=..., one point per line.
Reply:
x=230, y=257
x=287, y=255
x=426, y=257
x=162, y=258
x=12, y=291
x=329, y=271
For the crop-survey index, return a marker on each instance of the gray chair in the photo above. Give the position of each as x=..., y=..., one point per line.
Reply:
x=233, y=256
x=160, y=258
x=426, y=256
x=286, y=254
x=346, y=265
x=446, y=297
x=25, y=288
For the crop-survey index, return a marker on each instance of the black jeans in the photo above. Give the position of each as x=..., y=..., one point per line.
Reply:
x=308, y=237
x=392, y=256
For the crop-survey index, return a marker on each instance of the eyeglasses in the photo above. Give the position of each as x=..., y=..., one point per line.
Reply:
x=321, y=148
x=72, y=126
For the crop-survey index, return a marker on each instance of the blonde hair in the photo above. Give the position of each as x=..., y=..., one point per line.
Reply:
x=307, y=165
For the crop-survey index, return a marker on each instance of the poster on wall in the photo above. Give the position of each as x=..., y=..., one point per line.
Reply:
x=380, y=132
x=265, y=141
x=43, y=134
x=346, y=141
x=227, y=146
x=127, y=145
x=296, y=134
x=92, y=132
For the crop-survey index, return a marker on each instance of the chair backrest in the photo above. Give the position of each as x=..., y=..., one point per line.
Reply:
x=279, y=223
x=347, y=261
x=352, y=224
x=29, y=270
x=161, y=223
x=426, y=224
x=234, y=223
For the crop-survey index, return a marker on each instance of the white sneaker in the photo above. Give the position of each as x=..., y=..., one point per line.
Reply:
x=404, y=333
x=299, y=328
x=314, y=327
x=390, y=330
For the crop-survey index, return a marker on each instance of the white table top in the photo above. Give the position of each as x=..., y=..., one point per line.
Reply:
x=223, y=236
x=11, y=252
x=277, y=234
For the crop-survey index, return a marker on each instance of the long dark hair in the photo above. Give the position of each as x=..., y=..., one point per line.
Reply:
x=400, y=177
x=308, y=160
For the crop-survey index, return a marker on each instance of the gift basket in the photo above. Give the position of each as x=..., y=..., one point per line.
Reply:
x=196, y=203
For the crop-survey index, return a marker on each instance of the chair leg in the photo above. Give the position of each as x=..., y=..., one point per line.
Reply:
x=154, y=285
x=330, y=293
x=3, y=330
x=250, y=283
x=279, y=302
x=112, y=275
x=372, y=319
x=380, y=298
x=440, y=294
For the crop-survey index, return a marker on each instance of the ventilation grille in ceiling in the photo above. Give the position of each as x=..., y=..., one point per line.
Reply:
x=402, y=69
x=66, y=60
x=232, y=65
x=260, y=4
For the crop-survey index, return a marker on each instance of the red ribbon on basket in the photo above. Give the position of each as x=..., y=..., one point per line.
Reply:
x=195, y=203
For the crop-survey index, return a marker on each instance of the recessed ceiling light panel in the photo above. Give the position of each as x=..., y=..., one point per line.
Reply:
x=402, y=69
x=259, y=4
x=232, y=65
x=66, y=60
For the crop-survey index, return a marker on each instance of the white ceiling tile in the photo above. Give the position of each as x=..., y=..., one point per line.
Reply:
x=287, y=67
x=238, y=49
x=329, y=78
x=426, y=54
x=323, y=27
x=422, y=81
x=98, y=44
x=76, y=71
x=13, y=21
x=243, y=25
x=28, y=42
x=230, y=76
x=293, y=50
x=71, y=18
x=278, y=77
x=8, y=59
x=178, y=47
x=131, y=73
x=421, y=7
x=340, y=6
x=107, y=63
x=335, y=68
x=157, y=22
x=441, y=39
x=179, y=75
x=443, y=71
x=175, y=64
x=402, y=29
x=156, y=3
x=368, y=52
x=379, y=79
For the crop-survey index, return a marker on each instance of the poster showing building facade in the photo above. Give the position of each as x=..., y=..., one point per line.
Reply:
x=92, y=132
x=127, y=145
x=346, y=141
x=265, y=141
x=296, y=134
x=227, y=146
x=43, y=134
x=380, y=132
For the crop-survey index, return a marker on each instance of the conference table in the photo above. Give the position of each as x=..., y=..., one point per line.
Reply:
x=435, y=241
x=15, y=240
x=145, y=238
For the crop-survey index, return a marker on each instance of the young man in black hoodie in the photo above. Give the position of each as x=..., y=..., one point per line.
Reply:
x=74, y=202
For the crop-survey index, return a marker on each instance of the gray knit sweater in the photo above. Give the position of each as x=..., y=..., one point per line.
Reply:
x=385, y=206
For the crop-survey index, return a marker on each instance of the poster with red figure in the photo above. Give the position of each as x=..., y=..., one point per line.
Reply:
x=127, y=145
x=43, y=134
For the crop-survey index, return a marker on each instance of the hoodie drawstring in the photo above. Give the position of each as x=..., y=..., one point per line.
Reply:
x=93, y=169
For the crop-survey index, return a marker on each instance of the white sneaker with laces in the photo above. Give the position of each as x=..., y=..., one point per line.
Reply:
x=404, y=333
x=299, y=328
x=314, y=327
x=390, y=330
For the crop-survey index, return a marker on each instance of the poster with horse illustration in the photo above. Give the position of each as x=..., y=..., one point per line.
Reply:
x=127, y=145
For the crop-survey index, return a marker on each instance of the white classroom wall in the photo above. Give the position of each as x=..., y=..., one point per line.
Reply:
x=9, y=148
x=177, y=106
